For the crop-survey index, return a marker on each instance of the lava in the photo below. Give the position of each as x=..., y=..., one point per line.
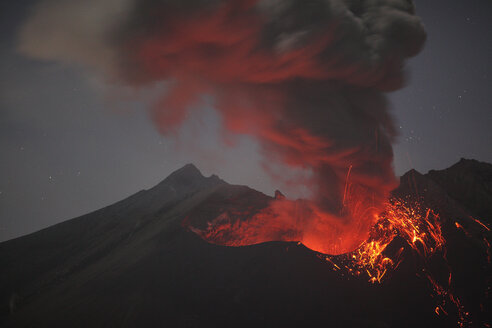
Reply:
x=307, y=81
x=404, y=227
x=408, y=225
x=286, y=220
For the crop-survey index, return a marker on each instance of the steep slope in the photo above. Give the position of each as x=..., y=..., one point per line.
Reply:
x=470, y=183
x=458, y=194
x=37, y=261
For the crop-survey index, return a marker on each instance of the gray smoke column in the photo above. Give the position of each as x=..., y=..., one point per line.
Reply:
x=306, y=78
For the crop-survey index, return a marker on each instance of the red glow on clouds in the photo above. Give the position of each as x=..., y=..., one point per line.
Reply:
x=309, y=96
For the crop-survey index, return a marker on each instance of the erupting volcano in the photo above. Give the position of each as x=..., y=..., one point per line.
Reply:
x=407, y=227
x=418, y=267
x=306, y=80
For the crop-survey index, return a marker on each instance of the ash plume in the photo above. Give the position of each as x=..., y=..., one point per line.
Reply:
x=305, y=78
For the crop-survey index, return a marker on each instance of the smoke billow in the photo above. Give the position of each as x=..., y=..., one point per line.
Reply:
x=305, y=78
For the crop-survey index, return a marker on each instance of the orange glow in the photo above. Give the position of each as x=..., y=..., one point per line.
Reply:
x=421, y=230
x=481, y=223
x=404, y=226
x=301, y=220
x=307, y=110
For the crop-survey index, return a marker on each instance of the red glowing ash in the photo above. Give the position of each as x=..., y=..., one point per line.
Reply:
x=307, y=83
x=404, y=228
x=304, y=222
x=285, y=220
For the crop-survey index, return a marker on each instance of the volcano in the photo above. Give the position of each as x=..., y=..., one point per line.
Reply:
x=143, y=262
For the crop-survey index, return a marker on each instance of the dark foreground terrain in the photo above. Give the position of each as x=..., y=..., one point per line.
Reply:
x=134, y=264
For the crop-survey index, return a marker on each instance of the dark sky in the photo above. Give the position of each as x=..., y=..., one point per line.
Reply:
x=67, y=147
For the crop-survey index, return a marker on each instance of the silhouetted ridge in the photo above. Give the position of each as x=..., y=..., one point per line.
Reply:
x=185, y=181
x=469, y=182
x=188, y=171
x=410, y=174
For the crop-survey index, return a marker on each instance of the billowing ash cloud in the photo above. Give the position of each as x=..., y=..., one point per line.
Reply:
x=305, y=77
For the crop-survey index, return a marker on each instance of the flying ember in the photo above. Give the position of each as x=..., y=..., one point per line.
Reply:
x=404, y=228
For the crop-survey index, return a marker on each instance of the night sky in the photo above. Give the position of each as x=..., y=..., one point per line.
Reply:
x=70, y=145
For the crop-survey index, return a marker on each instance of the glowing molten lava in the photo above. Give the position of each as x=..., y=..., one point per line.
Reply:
x=304, y=222
x=403, y=228
x=417, y=228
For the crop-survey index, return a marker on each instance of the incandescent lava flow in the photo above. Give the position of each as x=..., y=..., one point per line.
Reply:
x=406, y=233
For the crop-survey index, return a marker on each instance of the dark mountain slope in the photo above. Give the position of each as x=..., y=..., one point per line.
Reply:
x=33, y=262
x=458, y=194
x=470, y=183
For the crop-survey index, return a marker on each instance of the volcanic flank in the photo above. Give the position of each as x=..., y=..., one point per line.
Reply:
x=140, y=262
